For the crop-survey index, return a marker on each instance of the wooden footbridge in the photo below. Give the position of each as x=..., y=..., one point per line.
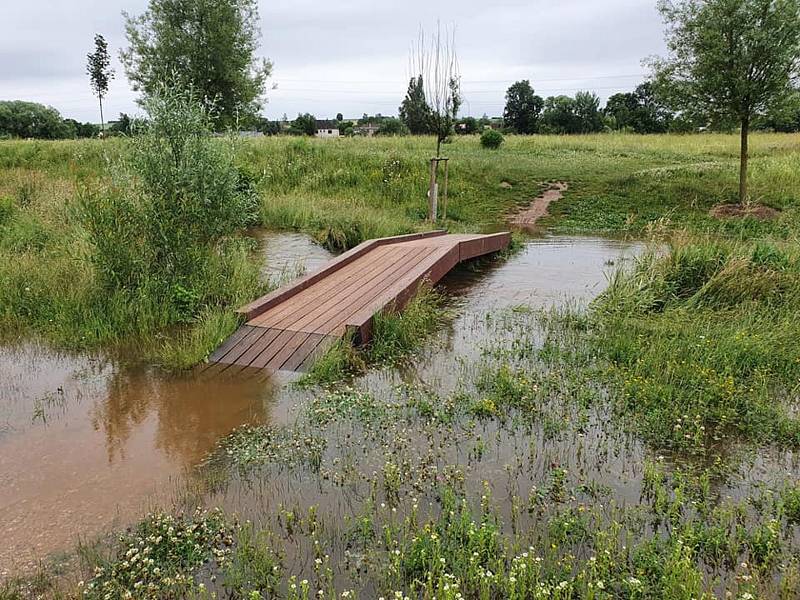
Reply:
x=293, y=325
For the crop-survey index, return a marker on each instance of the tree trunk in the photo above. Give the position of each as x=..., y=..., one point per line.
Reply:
x=743, y=161
x=102, y=124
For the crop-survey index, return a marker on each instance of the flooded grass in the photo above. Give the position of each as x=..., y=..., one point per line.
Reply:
x=702, y=342
x=515, y=483
x=395, y=335
x=643, y=446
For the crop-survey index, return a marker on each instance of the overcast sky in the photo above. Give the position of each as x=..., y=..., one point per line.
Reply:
x=351, y=56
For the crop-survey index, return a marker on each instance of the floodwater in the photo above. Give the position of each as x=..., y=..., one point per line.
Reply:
x=87, y=445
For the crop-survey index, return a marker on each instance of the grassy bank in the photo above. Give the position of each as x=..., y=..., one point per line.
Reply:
x=344, y=191
x=701, y=343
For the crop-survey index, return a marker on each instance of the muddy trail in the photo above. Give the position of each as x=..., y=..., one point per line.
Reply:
x=527, y=218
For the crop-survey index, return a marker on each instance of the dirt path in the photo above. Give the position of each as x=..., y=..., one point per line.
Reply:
x=538, y=208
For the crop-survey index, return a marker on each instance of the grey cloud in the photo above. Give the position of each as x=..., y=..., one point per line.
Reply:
x=558, y=45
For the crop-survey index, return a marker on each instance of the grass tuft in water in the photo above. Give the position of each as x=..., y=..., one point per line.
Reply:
x=395, y=335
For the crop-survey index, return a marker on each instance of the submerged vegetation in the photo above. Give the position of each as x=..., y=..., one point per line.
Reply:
x=395, y=335
x=496, y=485
x=600, y=452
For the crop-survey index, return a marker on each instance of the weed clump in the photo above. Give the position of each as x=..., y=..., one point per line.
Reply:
x=157, y=558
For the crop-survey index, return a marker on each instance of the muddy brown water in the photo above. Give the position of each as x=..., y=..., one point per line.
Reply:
x=87, y=445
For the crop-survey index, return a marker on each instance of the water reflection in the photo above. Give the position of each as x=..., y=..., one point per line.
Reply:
x=88, y=444
x=288, y=255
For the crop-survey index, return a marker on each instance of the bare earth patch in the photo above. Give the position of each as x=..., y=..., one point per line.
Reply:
x=733, y=211
x=538, y=208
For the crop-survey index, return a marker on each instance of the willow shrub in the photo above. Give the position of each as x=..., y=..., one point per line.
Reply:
x=168, y=222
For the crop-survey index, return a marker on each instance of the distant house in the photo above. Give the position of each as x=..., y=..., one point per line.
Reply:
x=495, y=123
x=327, y=128
x=368, y=129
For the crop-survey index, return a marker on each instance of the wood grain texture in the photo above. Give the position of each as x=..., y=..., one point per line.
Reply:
x=291, y=327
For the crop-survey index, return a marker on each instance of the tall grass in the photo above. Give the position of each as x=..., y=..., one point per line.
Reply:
x=342, y=192
x=154, y=245
x=703, y=341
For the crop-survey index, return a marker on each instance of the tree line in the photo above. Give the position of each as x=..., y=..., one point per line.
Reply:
x=20, y=119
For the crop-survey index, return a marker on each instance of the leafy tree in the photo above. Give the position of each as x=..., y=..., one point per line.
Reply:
x=82, y=130
x=414, y=111
x=123, y=125
x=206, y=45
x=565, y=115
x=339, y=117
x=653, y=115
x=640, y=111
x=268, y=127
x=523, y=108
x=344, y=126
x=305, y=124
x=587, y=112
x=784, y=116
x=559, y=115
x=623, y=109
x=98, y=67
x=468, y=125
x=19, y=119
x=729, y=59
x=391, y=126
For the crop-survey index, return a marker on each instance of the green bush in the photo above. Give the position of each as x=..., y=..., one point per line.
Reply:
x=491, y=138
x=176, y=201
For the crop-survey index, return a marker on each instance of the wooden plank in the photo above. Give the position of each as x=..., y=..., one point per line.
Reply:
x=280, y=316
x=270, y=351
x=336, y=325
x=234, y=339
x=284, y=292
x=303, y=351
x=325, y=343
x=298, y=320
x=385, y=275
x=275, y=297
x=242, y=346
x=483, y=245
x=257, y=347
x=285, y=353
x=401, y=291
x=326, y=321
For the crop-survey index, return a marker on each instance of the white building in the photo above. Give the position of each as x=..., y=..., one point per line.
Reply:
x=327, y=129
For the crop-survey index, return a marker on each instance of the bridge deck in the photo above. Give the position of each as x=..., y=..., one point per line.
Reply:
x=290, y=327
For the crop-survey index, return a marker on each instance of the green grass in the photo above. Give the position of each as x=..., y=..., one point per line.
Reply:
x=395, y=335
x=344, y=191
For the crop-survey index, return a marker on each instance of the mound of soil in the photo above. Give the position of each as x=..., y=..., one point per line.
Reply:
x=734, y=211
